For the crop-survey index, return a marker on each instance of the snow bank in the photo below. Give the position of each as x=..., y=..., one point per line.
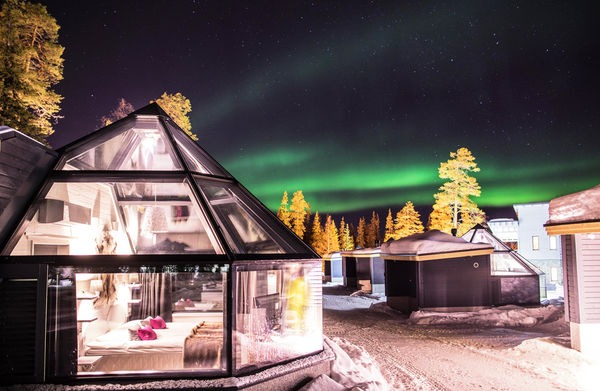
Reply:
x=505, y=316
x=349, y=303
x=352, y=369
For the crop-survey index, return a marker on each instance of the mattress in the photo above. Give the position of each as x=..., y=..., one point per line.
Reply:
x=117, y=341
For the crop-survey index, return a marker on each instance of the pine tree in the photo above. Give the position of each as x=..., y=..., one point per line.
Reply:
x=31, y=64
x=389, y=226
x=298, y=211
x=177, y=106
x=361, y=233
x=408, y=222
x=331, y=236
x=373, y=236
x=341, y=233
x=317, y=241
x=455, y=194
x=122, y=110
x=348, y=240
x=283, y=213
x=440, y=218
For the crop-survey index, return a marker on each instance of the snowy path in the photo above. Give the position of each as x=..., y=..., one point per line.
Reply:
x=459, y=357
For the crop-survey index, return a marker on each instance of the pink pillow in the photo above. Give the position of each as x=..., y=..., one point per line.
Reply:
x=147, y=333
x=158, y=323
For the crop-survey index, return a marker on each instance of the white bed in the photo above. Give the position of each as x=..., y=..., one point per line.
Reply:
x=119, y=353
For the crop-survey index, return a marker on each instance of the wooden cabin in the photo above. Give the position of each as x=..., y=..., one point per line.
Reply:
x=514, y=280
x=363, y=269
x=437, y=271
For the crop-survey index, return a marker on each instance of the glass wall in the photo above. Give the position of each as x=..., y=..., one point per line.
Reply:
x=78, y=218
x=277, y=312
x=148, y=320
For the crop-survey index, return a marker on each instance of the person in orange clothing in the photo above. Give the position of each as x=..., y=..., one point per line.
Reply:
x=297, y=299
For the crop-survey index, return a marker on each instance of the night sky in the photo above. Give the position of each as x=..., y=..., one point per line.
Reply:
x=354, y=103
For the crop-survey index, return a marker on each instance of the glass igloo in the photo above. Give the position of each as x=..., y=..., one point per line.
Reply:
x=152, y=259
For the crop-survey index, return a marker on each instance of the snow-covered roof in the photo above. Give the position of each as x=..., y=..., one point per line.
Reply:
x=432, y=245
x=580, y=211
x=362, y=252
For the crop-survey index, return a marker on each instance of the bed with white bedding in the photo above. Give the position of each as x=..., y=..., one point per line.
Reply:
x=119, y=353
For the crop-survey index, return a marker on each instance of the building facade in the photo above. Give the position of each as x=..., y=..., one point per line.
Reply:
x=538, y=247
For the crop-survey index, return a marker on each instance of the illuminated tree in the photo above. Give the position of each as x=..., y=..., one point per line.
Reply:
x=408, y=222
x=177, y=106
x=348, y=240
x=341, y=233
x=454, y=198
x=331, y=236
x=373, y=236
x=389, y=226
x=283, y=213
x=31, y=64
x=123, y=109
x=298, y=211
x=440, y=218
x=318, y=241
x=360, y=233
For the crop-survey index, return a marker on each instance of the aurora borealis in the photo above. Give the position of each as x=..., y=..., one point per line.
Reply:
x=355, y=103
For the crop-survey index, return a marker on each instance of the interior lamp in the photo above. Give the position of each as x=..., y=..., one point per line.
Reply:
x=155, y=220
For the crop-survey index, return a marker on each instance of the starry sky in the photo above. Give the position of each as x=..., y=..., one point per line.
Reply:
x=354, y=102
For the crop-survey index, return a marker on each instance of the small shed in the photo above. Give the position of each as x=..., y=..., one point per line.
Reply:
x=577, y=218
x=514, y=279
x=363, y=269
x=437, y=271
x=332, y=268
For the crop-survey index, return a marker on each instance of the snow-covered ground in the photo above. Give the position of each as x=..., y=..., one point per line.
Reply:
x=505, y=348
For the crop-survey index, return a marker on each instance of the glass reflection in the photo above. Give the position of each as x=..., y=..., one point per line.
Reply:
x=278, y=313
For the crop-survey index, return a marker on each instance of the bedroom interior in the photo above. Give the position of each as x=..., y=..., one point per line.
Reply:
x=150, y=259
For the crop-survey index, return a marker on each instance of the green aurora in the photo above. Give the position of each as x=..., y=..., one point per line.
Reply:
x=334, y=187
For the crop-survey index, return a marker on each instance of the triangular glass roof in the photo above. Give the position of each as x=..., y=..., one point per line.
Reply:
x=505, y=260
x=143, y=186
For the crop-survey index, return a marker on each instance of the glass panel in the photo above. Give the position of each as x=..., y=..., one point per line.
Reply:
x=121, y=218
x=506, y=264
x=195, y=157
x=131, y=322
x=240, y=226
x=134, y=149
x=278, y=312
x=480, y=236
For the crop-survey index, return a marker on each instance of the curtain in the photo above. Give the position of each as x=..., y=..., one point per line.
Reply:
x=156, y=296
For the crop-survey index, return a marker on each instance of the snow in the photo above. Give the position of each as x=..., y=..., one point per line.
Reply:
x=352, y=368
x=505, y=316
x=430, y=242
x=504, y=348
x=576, y=207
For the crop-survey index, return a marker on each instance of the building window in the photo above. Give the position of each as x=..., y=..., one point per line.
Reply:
x=553, y=243
x=535, y=244
x=554, y=274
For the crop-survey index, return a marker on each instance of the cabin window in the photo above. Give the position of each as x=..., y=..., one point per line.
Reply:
x=79, y=218
x=553, y=242
x=535, y=242
x=554, y=274
x=167, y=320
x=506, y=264
x=278, y=314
